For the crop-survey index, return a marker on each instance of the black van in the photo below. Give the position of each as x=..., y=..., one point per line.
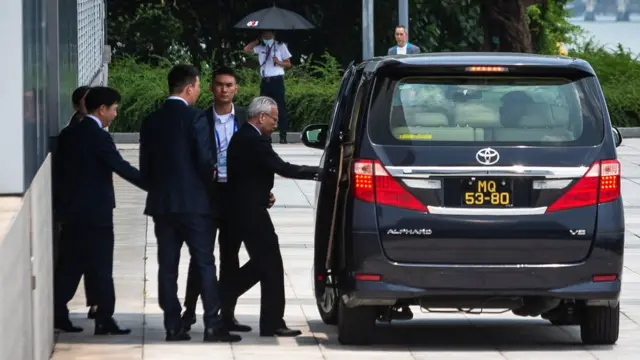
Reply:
x=472, y=182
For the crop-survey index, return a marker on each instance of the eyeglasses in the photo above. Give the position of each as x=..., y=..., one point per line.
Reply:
x=275, y=118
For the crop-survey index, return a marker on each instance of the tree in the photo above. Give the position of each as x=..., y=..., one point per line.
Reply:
x=506, y=26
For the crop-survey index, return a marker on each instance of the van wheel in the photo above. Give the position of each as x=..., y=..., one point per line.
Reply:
x=600, y=325
x=328, y=305
x=356, y=326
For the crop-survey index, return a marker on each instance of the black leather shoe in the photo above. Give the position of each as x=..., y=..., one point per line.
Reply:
x=236, y=326
x=91, y=314
x=284, y=332
x=66, y=326
x=188, y=319
x=173, y=336
x=220, y=335
x=110, y=327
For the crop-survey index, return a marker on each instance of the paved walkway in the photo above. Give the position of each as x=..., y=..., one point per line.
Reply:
x=433, y=336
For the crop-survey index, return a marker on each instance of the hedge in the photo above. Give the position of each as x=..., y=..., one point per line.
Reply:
x=311, y=88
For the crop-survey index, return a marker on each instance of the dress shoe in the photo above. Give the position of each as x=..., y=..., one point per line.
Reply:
x=236, y=326
x=110, y=327
x=284, y=332
x=66, y=326
x=173, y=336
x=220, y=335
x=188, y=319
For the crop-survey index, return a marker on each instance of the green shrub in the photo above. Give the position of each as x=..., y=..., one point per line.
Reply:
x=618, y=72
x=311, y=88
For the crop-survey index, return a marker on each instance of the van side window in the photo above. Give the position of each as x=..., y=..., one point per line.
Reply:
x=357, y=105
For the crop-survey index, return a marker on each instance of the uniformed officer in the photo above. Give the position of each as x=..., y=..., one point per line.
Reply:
x=274, y=57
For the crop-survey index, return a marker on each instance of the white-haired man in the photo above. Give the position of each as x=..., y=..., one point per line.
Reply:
x=251, y=166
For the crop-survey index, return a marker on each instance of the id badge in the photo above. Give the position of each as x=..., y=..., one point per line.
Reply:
x=223, y=160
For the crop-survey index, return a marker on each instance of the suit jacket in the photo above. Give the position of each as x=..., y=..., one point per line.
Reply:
x=83, y=167
x=251, y=166
x=411, y=49
x=176, y=160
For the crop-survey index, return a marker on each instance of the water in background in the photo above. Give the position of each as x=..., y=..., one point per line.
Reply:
x=606, y=31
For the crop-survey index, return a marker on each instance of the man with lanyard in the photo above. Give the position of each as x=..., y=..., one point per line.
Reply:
x=274, y=57
x=403, y=47
x=224, y=120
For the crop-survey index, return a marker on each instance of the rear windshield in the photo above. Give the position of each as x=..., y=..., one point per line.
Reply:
x=486, y=110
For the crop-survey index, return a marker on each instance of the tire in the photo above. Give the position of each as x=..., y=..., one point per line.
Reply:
x=328, y=306
x=600, y=325
x=356, y=326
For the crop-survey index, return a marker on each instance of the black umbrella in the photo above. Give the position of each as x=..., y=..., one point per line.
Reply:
x=274, y=18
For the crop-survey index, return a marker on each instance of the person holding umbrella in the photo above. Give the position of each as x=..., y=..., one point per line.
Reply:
x=274, y=57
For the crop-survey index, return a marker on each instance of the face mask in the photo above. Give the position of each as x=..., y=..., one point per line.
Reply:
x=268, y=42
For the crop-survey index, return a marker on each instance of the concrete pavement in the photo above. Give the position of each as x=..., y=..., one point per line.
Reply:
x=431, y=336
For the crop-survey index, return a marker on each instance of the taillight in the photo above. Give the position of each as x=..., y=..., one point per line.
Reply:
x=599, y=185
x=372, y=183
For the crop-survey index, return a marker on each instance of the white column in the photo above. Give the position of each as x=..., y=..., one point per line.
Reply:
x=11, y=99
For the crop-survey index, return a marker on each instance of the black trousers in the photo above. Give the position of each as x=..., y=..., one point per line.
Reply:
x=196, y=230
x=230, y=245
x=273, y=87
x=85, y=249
x=255, y=228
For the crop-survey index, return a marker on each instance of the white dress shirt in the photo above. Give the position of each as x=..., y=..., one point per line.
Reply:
x=267, y=67
x=225, y=126
x=402, y=50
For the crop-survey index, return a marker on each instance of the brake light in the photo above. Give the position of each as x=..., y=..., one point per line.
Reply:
x=599, y=185
x=372, y=183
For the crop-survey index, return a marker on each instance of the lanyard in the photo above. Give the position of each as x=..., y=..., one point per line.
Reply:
x=235, y=128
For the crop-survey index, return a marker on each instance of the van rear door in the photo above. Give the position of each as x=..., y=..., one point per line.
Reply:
x=484, y=168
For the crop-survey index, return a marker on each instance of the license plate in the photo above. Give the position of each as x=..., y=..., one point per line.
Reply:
x=483, y=192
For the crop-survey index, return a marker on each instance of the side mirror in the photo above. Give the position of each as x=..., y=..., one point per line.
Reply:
x=315, y=136
x=617, y=137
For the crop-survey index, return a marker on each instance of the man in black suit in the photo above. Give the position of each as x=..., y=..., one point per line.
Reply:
x=252, y=164
x=84, y=200
x=177, y=164
x=80, y=112
x=224, y=120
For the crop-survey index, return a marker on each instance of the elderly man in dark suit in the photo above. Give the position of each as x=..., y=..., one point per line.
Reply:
x=177, y=163
x=252, y=164
x=84, y=199
x=403, y=47
x=224, y=119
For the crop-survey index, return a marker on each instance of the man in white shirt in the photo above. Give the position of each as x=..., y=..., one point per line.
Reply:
x=274, y=57
x=403, y=47
x=224, y=120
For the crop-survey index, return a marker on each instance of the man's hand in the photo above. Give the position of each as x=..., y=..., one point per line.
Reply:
x=272, y=200
x=276, y=60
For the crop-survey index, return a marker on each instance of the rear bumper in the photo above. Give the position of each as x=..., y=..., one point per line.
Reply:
x=411, y=281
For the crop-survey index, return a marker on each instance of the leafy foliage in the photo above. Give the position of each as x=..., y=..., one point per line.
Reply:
x=310, y=90
x=312, y=87
x=618, y=73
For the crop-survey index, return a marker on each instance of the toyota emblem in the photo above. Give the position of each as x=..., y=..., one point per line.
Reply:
x=487, y=156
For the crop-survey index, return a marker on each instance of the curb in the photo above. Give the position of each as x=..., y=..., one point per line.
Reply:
x=134, y=138
x=294, y=137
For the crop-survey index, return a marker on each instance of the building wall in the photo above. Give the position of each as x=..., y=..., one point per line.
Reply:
x=26, y=282
x=40, y=70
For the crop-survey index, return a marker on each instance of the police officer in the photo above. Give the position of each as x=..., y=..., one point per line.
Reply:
x=274, y=57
